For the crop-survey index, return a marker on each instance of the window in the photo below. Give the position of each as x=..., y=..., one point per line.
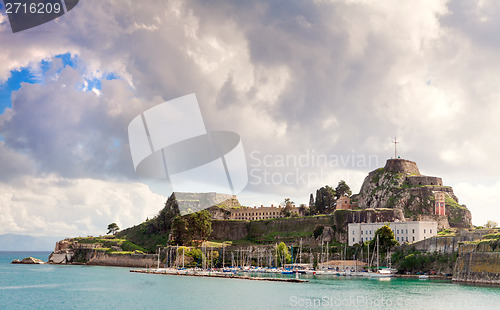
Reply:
x=407, y=231
x=361, y=232
x=424, y=230
x=398, y=238
x=361, y=239
x=431, y=231
x=353, y=232
x=398, y=231
x=352, y=239
x=406, y=239
x=413, y=238
x=370, y=232
x=413, y=231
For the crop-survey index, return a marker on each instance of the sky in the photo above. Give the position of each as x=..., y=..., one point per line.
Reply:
x=317, y=91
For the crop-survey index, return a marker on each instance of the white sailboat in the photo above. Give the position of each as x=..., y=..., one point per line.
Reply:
x=384, y=273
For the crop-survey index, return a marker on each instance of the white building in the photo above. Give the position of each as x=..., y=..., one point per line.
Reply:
x=404, y=232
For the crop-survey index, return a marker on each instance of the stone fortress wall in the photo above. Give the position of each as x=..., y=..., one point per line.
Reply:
x=424, y=180
x=402, y=166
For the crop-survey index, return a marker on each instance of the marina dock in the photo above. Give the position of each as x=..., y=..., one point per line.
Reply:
x=214, y=274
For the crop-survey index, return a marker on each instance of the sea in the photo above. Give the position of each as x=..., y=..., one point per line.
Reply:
x=95, y=287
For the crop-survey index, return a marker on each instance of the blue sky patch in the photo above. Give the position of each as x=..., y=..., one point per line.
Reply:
x=96, y=82
x=23, y=75
x=37, y=76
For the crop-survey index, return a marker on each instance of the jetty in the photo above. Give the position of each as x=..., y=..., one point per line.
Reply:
x=214, y=274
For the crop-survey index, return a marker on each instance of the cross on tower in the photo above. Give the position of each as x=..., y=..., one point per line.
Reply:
x=395, y=147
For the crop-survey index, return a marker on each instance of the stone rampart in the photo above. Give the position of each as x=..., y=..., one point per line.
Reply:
x=419, y=180
x=124, y=260
x=401, y=166
x=477, y=263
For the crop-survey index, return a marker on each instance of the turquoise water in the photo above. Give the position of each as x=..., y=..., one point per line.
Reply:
x=84, y=287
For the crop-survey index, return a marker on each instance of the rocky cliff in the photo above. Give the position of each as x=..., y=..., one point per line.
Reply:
x=399, y=185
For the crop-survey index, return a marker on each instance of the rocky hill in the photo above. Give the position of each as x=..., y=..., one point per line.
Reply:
x=399, y=185
x=156, y=231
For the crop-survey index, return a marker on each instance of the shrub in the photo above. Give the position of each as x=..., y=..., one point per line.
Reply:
x=318, y=231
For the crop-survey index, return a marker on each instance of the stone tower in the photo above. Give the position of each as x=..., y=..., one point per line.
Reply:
x=439, y=205
x=402, y=166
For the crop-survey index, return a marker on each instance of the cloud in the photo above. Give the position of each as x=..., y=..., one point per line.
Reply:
x=71, y=132
x=485, y=198
x=57, y=206
x=338, y=78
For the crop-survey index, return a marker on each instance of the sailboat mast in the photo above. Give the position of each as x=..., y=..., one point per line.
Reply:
x=377, y=255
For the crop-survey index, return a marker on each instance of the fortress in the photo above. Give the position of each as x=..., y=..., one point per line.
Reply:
x=399, y=185
x=410, y=168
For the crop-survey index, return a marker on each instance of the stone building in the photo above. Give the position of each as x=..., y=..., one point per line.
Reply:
x=344, y=203
x=260, y=213
x=404, y=232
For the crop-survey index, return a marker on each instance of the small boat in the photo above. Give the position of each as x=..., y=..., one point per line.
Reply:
x=423, y=277
x=384, y=273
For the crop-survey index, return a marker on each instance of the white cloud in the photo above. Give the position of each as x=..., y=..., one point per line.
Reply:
x=58, y=206
x=337, y=77
x=482, y=200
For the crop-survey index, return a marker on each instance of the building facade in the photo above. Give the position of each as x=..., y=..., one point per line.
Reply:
x=404, y=232
x=261, y=213
x=344, y=203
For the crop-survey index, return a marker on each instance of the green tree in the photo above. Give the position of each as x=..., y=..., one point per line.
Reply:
x=385, y=237
x=180, y=230
x=287, y=210
x=311, y=203
x=203, y=226
x=342, y=189
x=491, y=224
x=303, y=210
x=288, y=202
x=325, y=200
x=113, y=228
x=166, y=215
x=283, y=255
x=190, y=227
